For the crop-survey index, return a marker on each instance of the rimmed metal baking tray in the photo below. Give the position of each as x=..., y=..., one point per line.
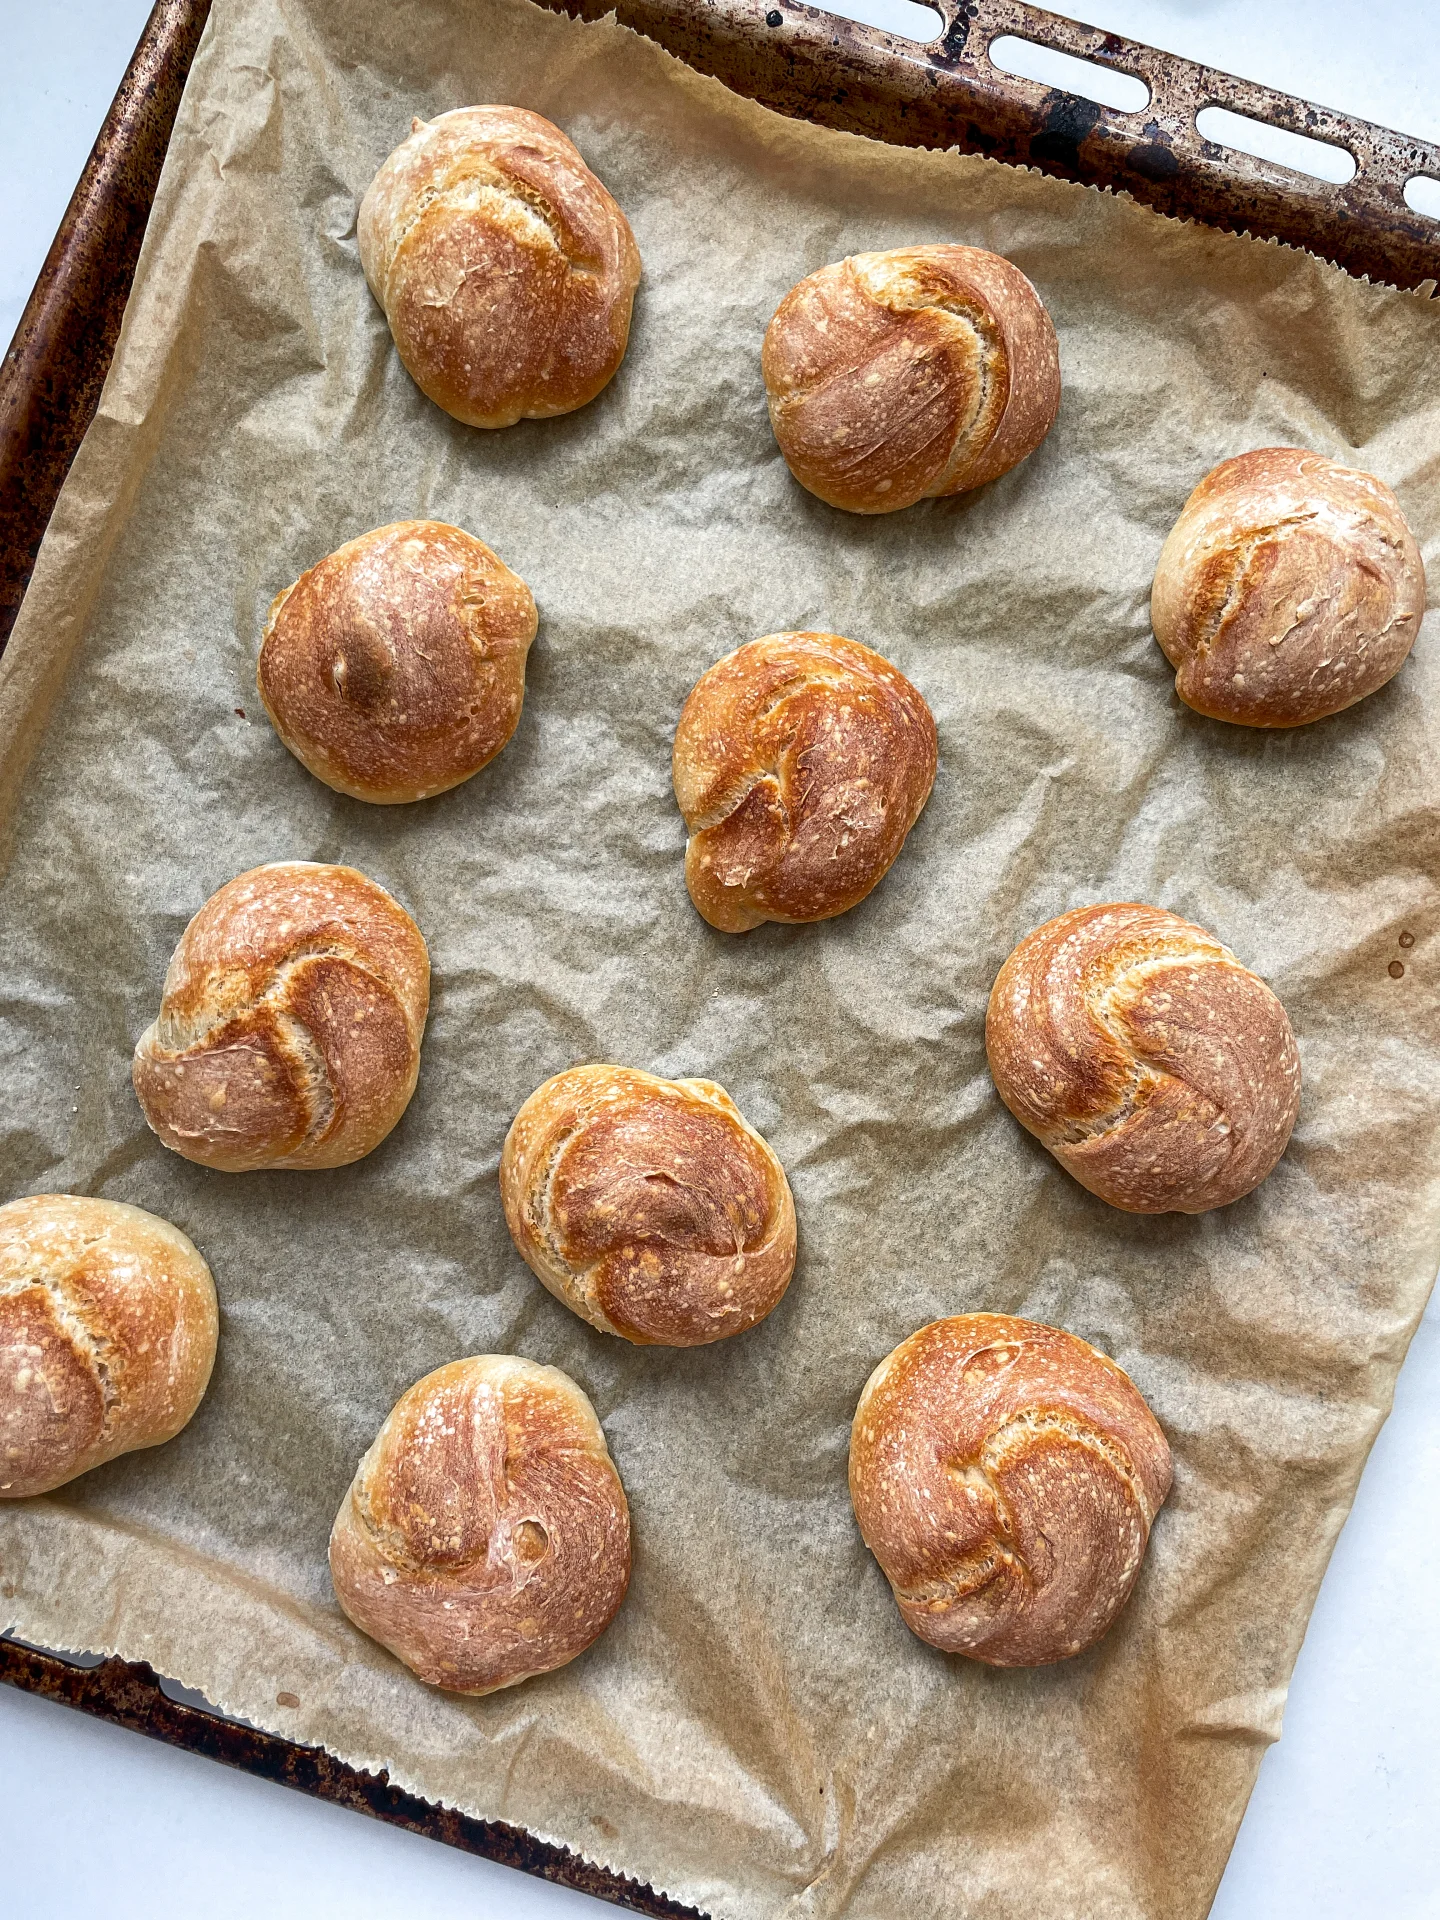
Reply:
x=800, y=61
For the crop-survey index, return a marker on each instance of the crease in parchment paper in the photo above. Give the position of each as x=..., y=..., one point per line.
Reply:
x=757, y=1732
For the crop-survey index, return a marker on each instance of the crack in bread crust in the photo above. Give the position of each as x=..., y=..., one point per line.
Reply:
x=576, y=1285
x=721, y=809
x=1107, y=1010
x=1237, y=578
x=981, y=1565
x=90, y=1343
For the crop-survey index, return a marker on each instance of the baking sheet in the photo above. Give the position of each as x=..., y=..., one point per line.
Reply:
x=757, y=1732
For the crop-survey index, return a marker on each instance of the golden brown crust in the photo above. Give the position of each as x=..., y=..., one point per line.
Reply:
x=801, y=762
x=1289, y=588
x=1006, y=1476
x=1160, y=1072
x=648, y=1206
x=395, y=668
x=485, y=1537
x=108, y=1324
x=505, y=269
x=896, y=377
x=290, y=1022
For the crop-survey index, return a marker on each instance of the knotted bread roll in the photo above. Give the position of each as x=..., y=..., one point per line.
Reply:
x=485, y=1537
x=896, y=377
x=801, y=762
x=1289, y=588
x=1006, y=1477
x=648, y=1206
x=290, y=1022
x=395, y=668
x=505, y=269
x=108, y=1325
x=1159, y=1072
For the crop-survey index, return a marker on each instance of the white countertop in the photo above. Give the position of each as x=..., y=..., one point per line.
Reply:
x=1343, y=1821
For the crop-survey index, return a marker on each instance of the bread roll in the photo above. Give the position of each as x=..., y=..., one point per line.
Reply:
x=896, y=377
x=1006, y=1477
x=290, y=1022
x=108, y=1325
x=485, y=1537
x=648, y=1206
x=1289, y=588
x=801, y=762
x=505, y=269
x=395, y=668
x=1159, y=1072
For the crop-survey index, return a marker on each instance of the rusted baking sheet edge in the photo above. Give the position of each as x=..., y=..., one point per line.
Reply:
x=56, y=364
x=814, y=66
x=130, y=1696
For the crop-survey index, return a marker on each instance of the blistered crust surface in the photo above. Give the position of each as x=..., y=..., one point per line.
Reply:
x=648, y=1206
x=506, y=271
x=801, y=762
x=1159, y=1071
x=108, y=1325
x=395, y=668
x=896, y=377
x=1288, y=589
x=485, y=1537
x=290, y=1022
x=1006, y=1476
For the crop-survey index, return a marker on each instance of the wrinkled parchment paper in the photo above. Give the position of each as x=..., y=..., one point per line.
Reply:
x=757, y=1733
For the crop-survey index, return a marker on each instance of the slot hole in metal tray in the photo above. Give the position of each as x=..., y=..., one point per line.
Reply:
x=908, y=18
x=1422, y=196
x=1107, y=86
x=1320, y=159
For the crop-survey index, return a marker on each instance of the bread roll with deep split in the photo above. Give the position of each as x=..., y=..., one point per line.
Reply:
x=506, y=271
x=903, y=376
x=1289, y=588
x=1006, y=1476
x=290, y=1022
x=108, y=1324
x=395, y=667
x=1160, y=1072
x=485, y=1537
x=648, y=1206
x=801, y=762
